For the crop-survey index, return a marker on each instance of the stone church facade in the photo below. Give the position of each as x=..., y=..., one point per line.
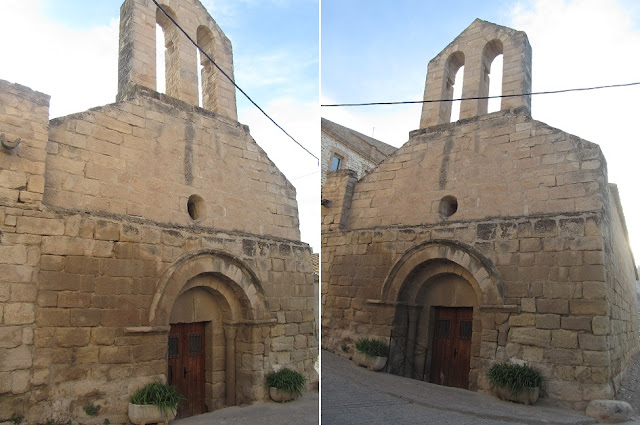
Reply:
x=126, y=224
x=493, y=238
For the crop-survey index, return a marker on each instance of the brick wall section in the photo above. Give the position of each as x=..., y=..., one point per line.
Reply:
x=352, y=160
x=146, y=156
x=82, y=267
x=97, y=277
x=555, y=286
x=338, y=190
x=621, y=293
x=24, y=114
x=533, y=202
x=496, y=165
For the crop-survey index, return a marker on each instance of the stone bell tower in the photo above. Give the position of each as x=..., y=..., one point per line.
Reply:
x=475, y=48
x=137, y=56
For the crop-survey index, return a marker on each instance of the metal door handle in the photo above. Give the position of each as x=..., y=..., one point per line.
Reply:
x=185, y=372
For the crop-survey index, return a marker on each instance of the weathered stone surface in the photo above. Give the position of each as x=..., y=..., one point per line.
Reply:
x=15, y=358
x=609, y=411
x=72, y=285
x=529, y=336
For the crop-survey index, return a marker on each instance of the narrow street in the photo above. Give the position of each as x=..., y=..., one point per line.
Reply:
x=354, y=395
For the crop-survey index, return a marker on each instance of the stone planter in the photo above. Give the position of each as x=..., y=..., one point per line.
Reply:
x=281, y=396
x=528, y=395
x=142, y=415
x=370, y=362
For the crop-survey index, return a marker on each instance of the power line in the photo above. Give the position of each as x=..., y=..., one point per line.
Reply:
x=231, y=79
x=484, y=97
x=306, y=175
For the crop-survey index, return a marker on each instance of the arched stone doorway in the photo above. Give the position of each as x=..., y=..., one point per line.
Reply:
x=439, y=289
x=214, y=308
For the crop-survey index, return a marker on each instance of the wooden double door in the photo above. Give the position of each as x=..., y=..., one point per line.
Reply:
x=450, y=361
x=186, y=366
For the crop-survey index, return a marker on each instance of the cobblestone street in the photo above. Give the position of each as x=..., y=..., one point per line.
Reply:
x=354, y=395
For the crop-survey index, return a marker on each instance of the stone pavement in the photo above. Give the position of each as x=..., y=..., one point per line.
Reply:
x=354, y=395
x=303, y=411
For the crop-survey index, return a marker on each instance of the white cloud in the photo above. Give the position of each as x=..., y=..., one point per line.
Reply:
x=584, y=43
x=300, y=119
x=229, y=12
x=59, y=61
x=276, y=67
x=389, y=124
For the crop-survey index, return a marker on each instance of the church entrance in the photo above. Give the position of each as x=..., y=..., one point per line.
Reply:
x=186, y=366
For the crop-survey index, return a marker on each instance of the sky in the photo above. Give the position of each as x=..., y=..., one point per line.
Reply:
x=380, y=53
x=69, y=49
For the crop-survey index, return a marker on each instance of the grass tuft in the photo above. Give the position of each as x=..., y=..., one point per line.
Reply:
x=158, y=394
x=287, y=379
x=514, y=377
x=372, y=347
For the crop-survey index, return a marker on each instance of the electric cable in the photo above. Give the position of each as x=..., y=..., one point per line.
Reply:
x=306, y=175
x=484, y=97
x=231, y=79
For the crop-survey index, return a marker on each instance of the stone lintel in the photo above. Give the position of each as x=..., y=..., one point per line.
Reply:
x=500, y=308
x=147, y=329
x=264, y=322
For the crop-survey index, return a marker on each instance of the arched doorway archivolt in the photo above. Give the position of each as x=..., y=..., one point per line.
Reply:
x=240, y=282
x=463, y=260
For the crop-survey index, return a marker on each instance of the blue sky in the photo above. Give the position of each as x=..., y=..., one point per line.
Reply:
x=380, y=52
x=73, y=57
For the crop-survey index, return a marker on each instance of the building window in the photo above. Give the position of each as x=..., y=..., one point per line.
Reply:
x=336, y=163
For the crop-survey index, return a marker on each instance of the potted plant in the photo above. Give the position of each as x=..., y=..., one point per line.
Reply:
x=515, y=382
x=154, y=403
x=371, y=353
x=285, y=384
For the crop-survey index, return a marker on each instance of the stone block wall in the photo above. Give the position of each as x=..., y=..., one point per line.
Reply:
x=621, y=278
x=137, y=57
x=533, y=231
x=24, y=115
x=498, y=165
x=87, y=306
x=96, y=216
x=148, y=156
x=553, y=279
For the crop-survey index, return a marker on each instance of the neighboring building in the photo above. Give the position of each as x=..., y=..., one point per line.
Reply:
x=343, y=148
x=494, y=238
x=149, y=239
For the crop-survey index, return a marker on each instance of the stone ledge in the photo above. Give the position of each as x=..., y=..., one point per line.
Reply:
x=146, y=329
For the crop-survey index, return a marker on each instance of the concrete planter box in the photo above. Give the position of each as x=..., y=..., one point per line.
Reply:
x=370, y=362
x=142, y=415
x=528, y=395
x=281, y=396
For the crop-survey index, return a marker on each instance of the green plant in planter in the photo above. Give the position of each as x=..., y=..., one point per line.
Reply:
x=514, y=377
x=158, y=394
x=15, y=419
x=287, y=380
x=91, y=409
x=372, y=347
